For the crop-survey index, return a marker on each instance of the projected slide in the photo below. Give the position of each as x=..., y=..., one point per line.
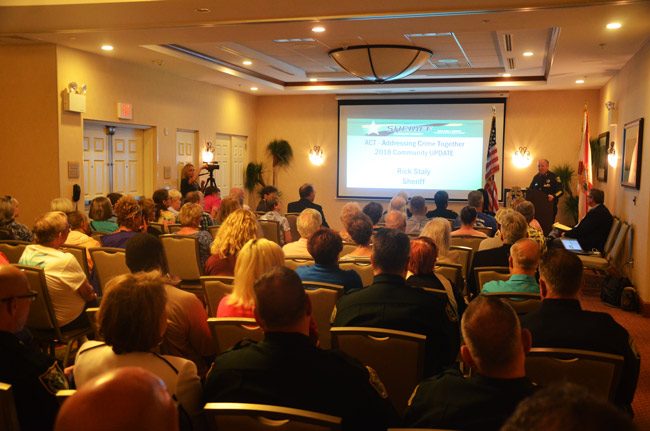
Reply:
x=414, y=154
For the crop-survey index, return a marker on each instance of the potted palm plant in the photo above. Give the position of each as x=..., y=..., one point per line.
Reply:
x=566, y=173
x=281, y=153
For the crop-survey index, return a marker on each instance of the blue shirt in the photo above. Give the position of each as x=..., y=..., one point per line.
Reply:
x=349, y=279
x=518, y=283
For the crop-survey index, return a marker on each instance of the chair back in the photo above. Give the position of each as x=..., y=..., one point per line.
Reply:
x=160, y=227
x=362, y=267
x=396, y=356
x=41, y=314
x=598, y=372
x=182, y=256
x=8, y=415
x=214, y=289
x=348, y=247
x=472, y=242
x=173, y=228
x=79, y=253
x=228, y=331
x=452, y=272
x=611, y=237
x=295, y=262
x=465, y=256
x=292, y=218
x=109, y=262
x=91, y=313
x=323, y=297
x=13, y=249
x=213, y=230
x=522, y=303
x=483, y=274
x=617, y=247
x=271, y=230
x=261, y=417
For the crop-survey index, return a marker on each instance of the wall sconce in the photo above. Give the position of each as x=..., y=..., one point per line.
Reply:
x=521, y=158
x=207, y=155
x=612, y=157
x=316, y=155
x=612, y=119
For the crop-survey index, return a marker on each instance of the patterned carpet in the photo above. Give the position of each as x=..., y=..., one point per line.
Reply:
x=637, y=326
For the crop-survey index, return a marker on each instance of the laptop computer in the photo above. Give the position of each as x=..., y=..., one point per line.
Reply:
x=572, y=245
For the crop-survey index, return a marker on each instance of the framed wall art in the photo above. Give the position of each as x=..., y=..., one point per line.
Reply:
x=632, y=150
x=601, y=163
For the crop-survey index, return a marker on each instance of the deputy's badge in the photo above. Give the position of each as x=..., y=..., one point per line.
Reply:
x=452, y=316
x=53, y=379
x=376, y=383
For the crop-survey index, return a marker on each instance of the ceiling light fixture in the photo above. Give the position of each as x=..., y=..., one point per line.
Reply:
x=614, y=25
x=254, y=88
x=247, y=62
x=580, y=81
x=506, y=75
x=528, y=53
x=313, y=79
x=318, y=29
x=107, y=47
x=202, y=10
x=381, y=63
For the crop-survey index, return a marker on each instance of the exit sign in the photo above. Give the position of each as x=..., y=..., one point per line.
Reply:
x=124, y=111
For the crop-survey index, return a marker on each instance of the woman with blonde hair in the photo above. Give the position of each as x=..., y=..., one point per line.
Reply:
x=439, y=230
x=189, y=179
x=190, y=218
x=235, y=231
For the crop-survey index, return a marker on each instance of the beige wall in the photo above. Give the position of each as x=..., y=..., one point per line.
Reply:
x=28, y=127
x=630, y=90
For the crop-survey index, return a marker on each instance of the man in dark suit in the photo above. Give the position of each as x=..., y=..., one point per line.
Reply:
x=390, y=303
x=307, y=195
x=593, y=229
x=513, y=228
x=561, y=322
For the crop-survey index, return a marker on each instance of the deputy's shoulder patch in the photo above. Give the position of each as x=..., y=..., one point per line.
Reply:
x=376, y=383
x=53, y=379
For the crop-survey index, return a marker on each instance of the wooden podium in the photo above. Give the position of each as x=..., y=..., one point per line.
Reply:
x=543, y=209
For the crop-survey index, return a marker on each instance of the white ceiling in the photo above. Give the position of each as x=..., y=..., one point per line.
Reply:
x=568, y=38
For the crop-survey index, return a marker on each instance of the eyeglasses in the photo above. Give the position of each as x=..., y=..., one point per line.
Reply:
x=31, y=296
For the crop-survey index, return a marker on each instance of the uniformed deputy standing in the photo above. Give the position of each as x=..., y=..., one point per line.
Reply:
x=547, y=182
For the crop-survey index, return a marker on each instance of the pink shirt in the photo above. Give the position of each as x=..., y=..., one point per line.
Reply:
x=212, y=201
x=228, y=310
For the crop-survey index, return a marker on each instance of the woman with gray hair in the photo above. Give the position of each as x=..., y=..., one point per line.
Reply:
x=439, y=230
x=8, y=224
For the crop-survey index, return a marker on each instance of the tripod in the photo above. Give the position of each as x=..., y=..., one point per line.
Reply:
x=211, y=181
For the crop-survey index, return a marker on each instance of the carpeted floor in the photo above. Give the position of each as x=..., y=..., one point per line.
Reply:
x=637, y=326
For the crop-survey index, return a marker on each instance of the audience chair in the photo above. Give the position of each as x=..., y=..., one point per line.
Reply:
x=214, y=289
x=173, y=228
x=261, y=417
x=483, y=274
x=323, y=297
x=109, y=262
x=362, y=267
x=79, y=253
x=260, y=213
x=183, y=260
x=485, y=229
x=271, y=231
x=598, y=372
x=295, y=262
x=228, y=331
x=13, y=249
x=465, y=256
x=42, y=320
x=213, y=230
x=396, y=356
x=609, y=261
x=292, y=218
x=97, y=236
x=472, y=242
x=452, y=272
x=348, y=247
x=160, y=227
x=91, y=313
x=522, y=303
x=611, y=237
x=8, y=415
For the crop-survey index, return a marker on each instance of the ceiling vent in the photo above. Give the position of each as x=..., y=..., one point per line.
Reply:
x=511, y=63
x=507, y=39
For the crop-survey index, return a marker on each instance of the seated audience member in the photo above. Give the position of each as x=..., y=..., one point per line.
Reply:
x=8, y=223
x=79, y=234
x=190, y=218
x=162, y=201
x=439, y=230
x=390, y=303
x=523, y=261
x=397, y=203
x=467, y=223
x=421, y=263
x=286, y=368
x=561, y=322
x=527, y=209
x=495, y=348
x=197, y=198
x=212, y=200
x=495, y=241
x=373, y=210
x=175, y=198
x=307, y=195
x=101, y=405
x=238, y=194
x=132, y=321
x=113, y=198
x=235, y=231
x=130, y=221
x=148, y=207
x=101, y=214
x=325, y=245
x=34, y=377
x=593, y=229
x=348, y=211
x=475, y=200
x=566, y=407
x=513, y=228
x=441, y=199
x=418, y=219
x=227, y=207
x=266, y=194
x=66, y=282
x=395, y=220
x=274, y=215
x=187, y=334
x=308, y=222
x=360, y=230
x=64, y=205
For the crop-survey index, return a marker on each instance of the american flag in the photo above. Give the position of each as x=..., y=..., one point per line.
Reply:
x=492, y=167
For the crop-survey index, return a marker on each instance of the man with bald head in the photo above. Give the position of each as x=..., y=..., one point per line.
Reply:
x=128, y=398
x=396, y=220
x=33, y=376
x=523, y=262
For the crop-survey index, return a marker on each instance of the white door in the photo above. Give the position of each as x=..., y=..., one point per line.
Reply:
x=222, y=156
x=185, y=151
x=238, y=161
x=127, y=162
x=96, y=161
